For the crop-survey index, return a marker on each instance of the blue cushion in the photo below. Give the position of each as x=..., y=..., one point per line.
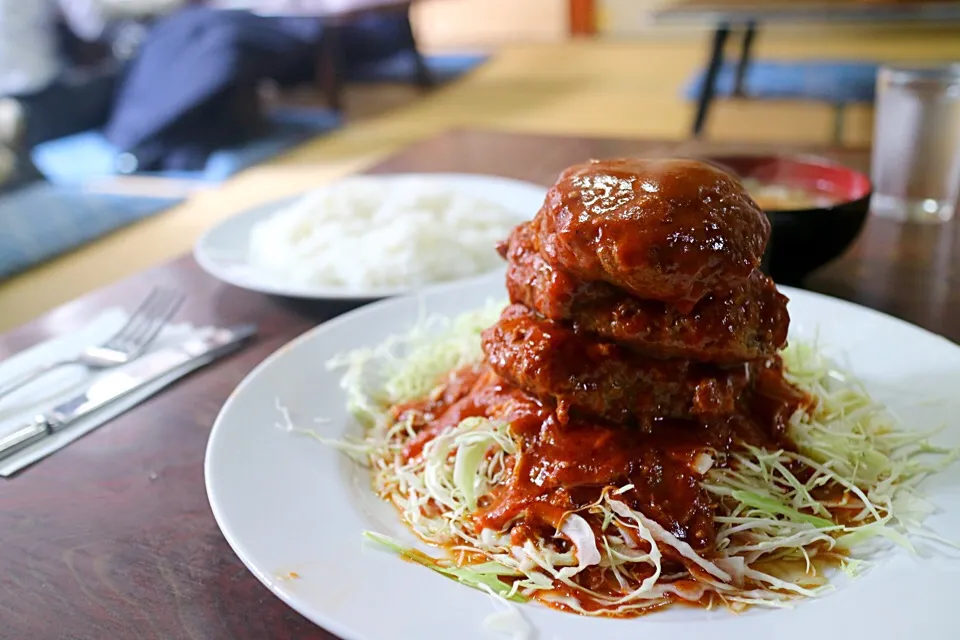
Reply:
x=402, y=67
x=836, y=82
x=78, y=158
x=43, y=220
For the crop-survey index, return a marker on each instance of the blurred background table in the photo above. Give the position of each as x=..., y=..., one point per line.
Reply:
x=113, y=537
x=747, y=16
x=336, y=14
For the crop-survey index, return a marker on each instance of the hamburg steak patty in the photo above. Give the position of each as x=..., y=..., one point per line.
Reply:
x=667, y=230
x=591, y=378
x=748, y=323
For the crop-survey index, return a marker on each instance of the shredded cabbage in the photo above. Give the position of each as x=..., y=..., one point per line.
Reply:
x=578, y=531
x=783, y=516
x=485, y=576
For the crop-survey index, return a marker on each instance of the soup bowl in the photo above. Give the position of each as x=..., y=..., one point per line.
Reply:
x=816, y=208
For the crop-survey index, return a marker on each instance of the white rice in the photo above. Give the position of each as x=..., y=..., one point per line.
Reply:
x=368, y=232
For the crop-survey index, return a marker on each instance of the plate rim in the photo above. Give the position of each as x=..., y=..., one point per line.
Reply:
x=332, y=624
x=305, y=292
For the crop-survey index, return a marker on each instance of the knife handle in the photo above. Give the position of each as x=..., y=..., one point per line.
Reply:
x=25, y=436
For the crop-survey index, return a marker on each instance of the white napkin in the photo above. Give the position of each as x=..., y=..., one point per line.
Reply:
x=21, y=406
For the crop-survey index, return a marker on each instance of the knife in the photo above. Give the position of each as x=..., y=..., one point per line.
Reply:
x=180, y=359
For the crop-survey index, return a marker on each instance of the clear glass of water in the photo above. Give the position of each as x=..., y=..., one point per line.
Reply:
x=916, y=143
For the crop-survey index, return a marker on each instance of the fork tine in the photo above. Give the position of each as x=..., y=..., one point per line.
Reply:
x=154, y=322
x=154, y=302
x=135, y=318
x=161, y=303
x=160, y=321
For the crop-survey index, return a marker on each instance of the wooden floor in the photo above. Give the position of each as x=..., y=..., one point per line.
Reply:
x=619, y=89
x=634, y=87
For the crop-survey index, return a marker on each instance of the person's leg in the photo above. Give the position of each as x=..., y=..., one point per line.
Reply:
x=78, y=100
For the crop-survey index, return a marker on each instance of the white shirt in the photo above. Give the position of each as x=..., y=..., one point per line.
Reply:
x=28, y=46
x=29, y=56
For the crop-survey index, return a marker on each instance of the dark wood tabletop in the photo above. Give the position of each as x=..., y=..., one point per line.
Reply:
x=112, y=537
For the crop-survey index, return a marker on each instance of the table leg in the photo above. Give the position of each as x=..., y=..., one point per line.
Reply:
x=423, y=77
x=838, y=121
x=746, y=48
x=710, y=80
x=328, y=67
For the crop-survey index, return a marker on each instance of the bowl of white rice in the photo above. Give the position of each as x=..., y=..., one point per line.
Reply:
x=371, y=236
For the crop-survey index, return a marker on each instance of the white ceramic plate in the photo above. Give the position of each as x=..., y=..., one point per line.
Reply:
x=223, y=250
x=286, y=503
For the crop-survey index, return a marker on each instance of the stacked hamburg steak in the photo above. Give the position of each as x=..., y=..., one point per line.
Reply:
x=636, y=295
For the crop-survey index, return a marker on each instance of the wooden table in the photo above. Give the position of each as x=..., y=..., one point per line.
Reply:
x=747, y=15
x=112, y=537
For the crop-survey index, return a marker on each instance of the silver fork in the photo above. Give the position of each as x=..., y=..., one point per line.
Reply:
x=125, y=345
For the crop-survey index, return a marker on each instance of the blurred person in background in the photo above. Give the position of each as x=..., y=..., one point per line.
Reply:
x=43, y=93
x=168, y=82
x=174, y=80
x=193, y=86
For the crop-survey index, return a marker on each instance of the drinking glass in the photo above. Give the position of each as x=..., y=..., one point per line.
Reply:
x=916, y=143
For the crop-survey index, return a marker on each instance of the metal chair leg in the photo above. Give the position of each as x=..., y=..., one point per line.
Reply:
x=839, y=113
x=422, y=74
x=709, y=88
x=746, y=49
x=329, y=68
